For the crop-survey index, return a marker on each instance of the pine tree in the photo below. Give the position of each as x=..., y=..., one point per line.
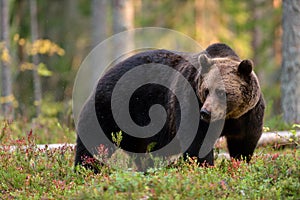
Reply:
x=290, y=76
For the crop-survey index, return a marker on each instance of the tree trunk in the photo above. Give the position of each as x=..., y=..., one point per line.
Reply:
x=99, y=21
x=257, y=32
x=199, y=21
x=290, y=76
x=35, y=58
x=207, y=21
x=7, y=97
x=123, y=16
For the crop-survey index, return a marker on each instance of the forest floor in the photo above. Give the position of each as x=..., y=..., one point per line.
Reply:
x=48, y=173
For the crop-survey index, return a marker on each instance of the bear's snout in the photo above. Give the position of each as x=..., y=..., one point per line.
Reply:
x=205, y=115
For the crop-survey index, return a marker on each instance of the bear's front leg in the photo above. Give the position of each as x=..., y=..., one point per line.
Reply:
x=194, y=149
x=241, y=148
x=243, y=134
x=84, y=158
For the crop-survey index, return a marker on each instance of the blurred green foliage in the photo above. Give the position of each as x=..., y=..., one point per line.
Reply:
x=252, y=28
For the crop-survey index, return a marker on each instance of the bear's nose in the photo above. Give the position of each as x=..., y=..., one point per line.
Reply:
x=205, y=115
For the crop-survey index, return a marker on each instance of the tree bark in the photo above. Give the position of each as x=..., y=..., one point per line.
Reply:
x=35, y=58
x=290, y=76
x=123, y=19
x=257, y=32
x=99, y=21
x=122, y=15
x=207, y=21
x=7, y=97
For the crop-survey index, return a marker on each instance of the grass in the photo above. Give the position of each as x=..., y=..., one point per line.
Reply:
x=32, y=173
x=47, y=130
x=276, y=123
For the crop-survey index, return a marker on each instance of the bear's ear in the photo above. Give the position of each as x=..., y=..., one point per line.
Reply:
x=245, y=67
x=205, y=63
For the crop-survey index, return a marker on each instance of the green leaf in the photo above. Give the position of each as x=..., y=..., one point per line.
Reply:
x=43, y=71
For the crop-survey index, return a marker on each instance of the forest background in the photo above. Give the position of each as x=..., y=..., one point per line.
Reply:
x=47, y=41
x=42, y=46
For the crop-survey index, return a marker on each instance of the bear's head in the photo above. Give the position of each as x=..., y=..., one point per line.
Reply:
x=227, y=87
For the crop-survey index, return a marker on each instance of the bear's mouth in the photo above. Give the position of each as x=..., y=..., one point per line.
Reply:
x=205, y=115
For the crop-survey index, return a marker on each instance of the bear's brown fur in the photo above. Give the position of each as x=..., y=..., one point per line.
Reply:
x=243, y=109
x=244, y=101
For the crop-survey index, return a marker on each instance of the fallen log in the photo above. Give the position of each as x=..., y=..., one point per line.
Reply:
x=268, y=138
x=280, y=137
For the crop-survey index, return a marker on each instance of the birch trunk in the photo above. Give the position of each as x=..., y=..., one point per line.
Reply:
x=7, y=97
x=123, y=16
x=36, y=78
x=99, y=21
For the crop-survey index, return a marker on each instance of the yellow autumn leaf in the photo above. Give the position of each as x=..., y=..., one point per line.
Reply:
x=26, y=66
x=44, y=46
x=37, y=103
x=22, y=42
x=61, y=52
x=16, y=37
x=7, y=99
x=5, y=57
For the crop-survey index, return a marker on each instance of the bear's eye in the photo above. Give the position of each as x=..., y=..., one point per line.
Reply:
x=221, y=93
x=206, y=92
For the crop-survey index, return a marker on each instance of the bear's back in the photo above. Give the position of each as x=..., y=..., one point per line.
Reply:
x=220, y=50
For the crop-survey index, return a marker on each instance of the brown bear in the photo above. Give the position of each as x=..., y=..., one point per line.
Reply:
x=224, y=100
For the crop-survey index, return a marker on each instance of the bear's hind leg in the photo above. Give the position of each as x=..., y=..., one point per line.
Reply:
x=241, y=148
